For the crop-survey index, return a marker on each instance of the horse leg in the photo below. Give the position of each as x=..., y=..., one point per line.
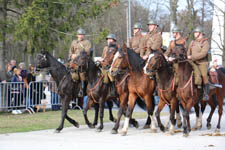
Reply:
x=147, y=124
x=213, y=107
x=149, y=101
x=123, y=105
x=198, y=112
x=172, y=115
x=90, y=102
x=220, y=111
x=63, y=115
x=178, y=117
x=131, y=103
x=110, y=105
x=101, y=105
x=157, y=114
x=96, y=114
x=187, y=108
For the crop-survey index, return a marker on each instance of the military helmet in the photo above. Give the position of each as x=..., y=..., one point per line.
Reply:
x=152, y=22
x=137, y=26
x=198, y=29
x=111, y=36
x=81, y=31
x=176, y=29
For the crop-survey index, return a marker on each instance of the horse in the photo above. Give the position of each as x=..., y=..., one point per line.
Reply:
x=188, y=90
x=139, y=84
x=121, y=80
x=157, y=64
x=97, y=91
x=67, y=89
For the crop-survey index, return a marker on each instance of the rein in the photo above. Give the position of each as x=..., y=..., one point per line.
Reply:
x=124, y=78
x=171, y=88
x=92, y=89
x=185, y=86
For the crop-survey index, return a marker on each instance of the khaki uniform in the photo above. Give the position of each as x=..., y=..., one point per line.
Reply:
x=135, y=42
x=107, y=75
x=151, y=41
x=198, y=50
x=75, y=48
x=169, y=51
x=78, y=46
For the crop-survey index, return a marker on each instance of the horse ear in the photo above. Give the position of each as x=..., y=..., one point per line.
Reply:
x=124, y=48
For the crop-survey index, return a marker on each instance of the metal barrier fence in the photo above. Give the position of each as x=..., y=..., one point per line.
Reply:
x=15, y=95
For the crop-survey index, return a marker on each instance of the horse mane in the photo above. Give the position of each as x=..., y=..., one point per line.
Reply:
x=135, y=61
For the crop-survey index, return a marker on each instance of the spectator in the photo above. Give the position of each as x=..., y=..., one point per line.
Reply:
x=23, y=72
x=11, y=68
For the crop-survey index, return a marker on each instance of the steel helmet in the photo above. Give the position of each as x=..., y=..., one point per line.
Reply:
x=81, y=31
x=152, y=22
x=198, y=29
x=176, y=29
x=111, y=36
x=137, y=26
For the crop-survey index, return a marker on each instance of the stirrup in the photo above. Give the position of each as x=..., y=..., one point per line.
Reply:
x=205, y=97
x=81, y=93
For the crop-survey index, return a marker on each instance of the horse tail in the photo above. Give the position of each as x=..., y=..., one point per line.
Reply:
x=141, y=103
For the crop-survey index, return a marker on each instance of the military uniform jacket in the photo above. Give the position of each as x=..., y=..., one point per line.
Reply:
x=180, y=41
x=105, y=50
x=78, y=46
x=151, y=41
x=198, y=50
x=135, y=42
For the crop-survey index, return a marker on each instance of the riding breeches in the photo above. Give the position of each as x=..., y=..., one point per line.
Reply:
x=197, y=73
x=204, y=72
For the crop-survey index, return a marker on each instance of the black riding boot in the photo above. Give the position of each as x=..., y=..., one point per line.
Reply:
x=82, y=88
x=113, y=90
x=206, y=92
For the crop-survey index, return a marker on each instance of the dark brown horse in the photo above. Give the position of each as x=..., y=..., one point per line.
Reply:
x=157, y=64
x=121, y=80
x=191, y=95
x=139, y=84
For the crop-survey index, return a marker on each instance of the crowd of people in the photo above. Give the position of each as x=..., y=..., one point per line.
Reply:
x=21, y=92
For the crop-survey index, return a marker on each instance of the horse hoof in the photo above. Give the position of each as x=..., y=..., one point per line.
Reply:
x=162, y=128
x=114, y=131
x=179, y=125
x=209, y=126
x=185, y=134
x=153, y=130
x=91, y=126
x=146, y=127
x=123, y=133
x=217, y=131
x=77, y=125
x=98, y=130
x=136, y=125
x=194, y=129
x=57, y=131
x=171, y=132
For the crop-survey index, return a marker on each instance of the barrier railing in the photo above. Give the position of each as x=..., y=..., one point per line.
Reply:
x=14, y=95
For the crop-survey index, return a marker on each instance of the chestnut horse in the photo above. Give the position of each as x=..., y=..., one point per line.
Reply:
x=139, y=84
x=121, y=80
x=157, y=63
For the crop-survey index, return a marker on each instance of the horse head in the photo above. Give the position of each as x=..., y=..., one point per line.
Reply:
x=107, y=61
x=179, y=52
x=42, y=60
x=154, y=63
x=120, y=61
x=81, y=61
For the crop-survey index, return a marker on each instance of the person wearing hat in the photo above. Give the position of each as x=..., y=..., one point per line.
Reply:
x=110, y=40
x=198, y=54
x=152, y=41
x=178, y=39
x=135, y=41
x=81, y=44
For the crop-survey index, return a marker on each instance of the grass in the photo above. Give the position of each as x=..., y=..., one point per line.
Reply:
x=10, y=123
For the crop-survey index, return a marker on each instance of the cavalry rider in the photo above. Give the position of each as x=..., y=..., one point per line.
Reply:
x=135, y=41
x=152, y=41
x=110, y=39
x=81, y=44
x=198, y=53
x=178, y=39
